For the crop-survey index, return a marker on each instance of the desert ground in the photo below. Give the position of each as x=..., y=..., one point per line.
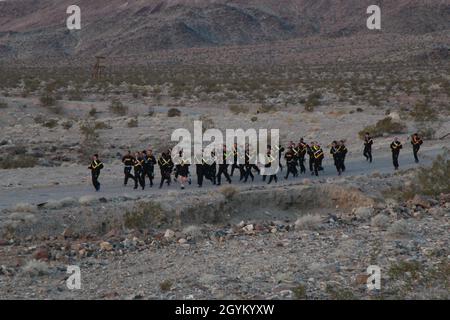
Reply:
x=301, y=238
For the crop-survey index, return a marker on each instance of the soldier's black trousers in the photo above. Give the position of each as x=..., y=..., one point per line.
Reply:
x=95, y=183
x=149, y=171
x=415, y=152
x=248, y=173
x=165, y=176
x=272, y=177
x=223, y=170
x=395, y=159
x=128, y=175
x=139, y=177
x=200, y=174
x=301, y=162
x=368, y=153
x=317, y=166
x=291, y=168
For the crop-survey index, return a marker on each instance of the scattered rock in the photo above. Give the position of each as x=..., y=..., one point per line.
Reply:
x=169, y=234
x=106, y=246
x=420, y=201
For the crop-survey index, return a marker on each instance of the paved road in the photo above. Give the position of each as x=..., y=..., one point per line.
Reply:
x=382, y=163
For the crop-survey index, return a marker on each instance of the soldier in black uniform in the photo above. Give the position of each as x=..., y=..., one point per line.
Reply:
x=236, y=164
x=280, y=152
x=368, y=142
x=248, y=165
x=416, y=142
x=200, y=169
x=342, y=154
x=165, y=165
x=334, y=153
x=396, y=145
x=310, y=152
x=139, y=170
x=182, y=170
x=318, y=157
x=95, y=167
x=149, y=165
x=290, y=162
x=211, y=168
x=302, y=148
x=128, y=161
x=223, y=168
x=270, y=161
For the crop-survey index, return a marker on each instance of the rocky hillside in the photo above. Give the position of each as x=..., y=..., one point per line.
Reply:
x=30, y=29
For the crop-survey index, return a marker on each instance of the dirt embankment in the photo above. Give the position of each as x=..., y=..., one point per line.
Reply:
x=97, y=216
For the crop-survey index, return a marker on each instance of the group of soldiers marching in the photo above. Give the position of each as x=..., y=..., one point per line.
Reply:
x=140, y=166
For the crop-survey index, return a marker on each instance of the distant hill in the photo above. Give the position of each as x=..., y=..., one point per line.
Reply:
x=30, y=29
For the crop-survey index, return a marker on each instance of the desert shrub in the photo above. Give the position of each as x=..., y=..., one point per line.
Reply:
x=47, y=99
x=173, y=112
x=266, y=108
x=100, y=125
x=51, y=123
x=88, y=129
x=312, y=101
x=3, y=105
x=436, y=179
x=384, y=126
x=67, y=125
x=35, y=268
x=18, y=161
x=228, y=192
x=31, y=84
x=144, y=215
x=254, y=119
x=207, y=122
x=427, y=133
x=400, y=228
x=308, y=222
x=380, y=221
x=39, y=119
x=338, y=293
x=299, y=292
x=400, y=269
x=166, y=285
x=423, y=112
x=236, y=109
x=75, y=95
x=151, y=111
x=116, y=107
x=89, y=139
x=133, y=123
x=93, y=112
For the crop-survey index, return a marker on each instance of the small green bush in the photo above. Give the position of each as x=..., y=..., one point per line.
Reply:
x=435, y=180
x=236, y=109
x=173, y=112
x=51, y=123
x=382, y=127
x=144, y=215
x=18, y=161
x=133, y=123
x=423, y=112
x=116, y=107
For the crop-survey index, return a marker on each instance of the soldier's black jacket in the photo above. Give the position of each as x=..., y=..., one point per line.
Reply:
x=128, y=160
x=368, y=142
x=396, y=146
x=96, y=166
